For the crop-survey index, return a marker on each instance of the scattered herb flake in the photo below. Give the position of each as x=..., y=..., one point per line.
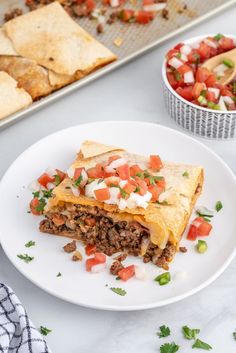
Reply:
x=164, y=331
x=41, y=205
x=26, y=258
x=36, y=193
x=218, y=206
x=137, y=189
x=47, y=193
x=59, y=274
x=185, y=174
x=57, y=179
x=234, y=335
x=30, y=243
x=67, y=187
x=169, y=348
x=163, y=279
x=117, y=278
x=218, y=36
x=190, y=334
x=78, y=181
x=123, y=193
x=118, y=291
x=200, y=344
x=44, y=330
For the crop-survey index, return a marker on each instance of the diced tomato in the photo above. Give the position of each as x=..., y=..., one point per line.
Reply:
x=34, y=203
x=112, y=181
x=185, y=92
x=129, y=188
x=202, y=74
x=155, y=191
x=61, y=174
x=126, y=15
x=178, y=46
x=123, y=172
x=102, y=194
x=77, y=173
x=204, y=51
x=90, y=249
x=210, y=81
x=171, y=53
x=183, y=69
x=226, y=92
x=90, y=5
x=210, y=96
x=155, y=163
x=193, y=57
x=161, y=183
x=142, y=186
x=135, y=169
x=226, y=43
x=126, y=273
x=99, y=258
x=44, y=179
x=143, y=17
x=197, y=89
x=113, y=158
x=96, y=172
x=192, y=233
x=172, y=80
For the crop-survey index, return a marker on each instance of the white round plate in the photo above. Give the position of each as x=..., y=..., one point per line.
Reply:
x=93, y=290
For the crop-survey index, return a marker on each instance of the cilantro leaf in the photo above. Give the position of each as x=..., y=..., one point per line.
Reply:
x=47, y=193
x=200, y=344
x=44, y=330
x=57, y=179
x=118, y=291
x=41, y=205
x=164, y=331
x=36, y=193
x=78, y=181
x=218, y=206
x=169, y=348
x=30, y=243
x=185, y=174
x=234, y=335
x=59, y=274
x=190, y=334
x=26, y=258
x=123, y=193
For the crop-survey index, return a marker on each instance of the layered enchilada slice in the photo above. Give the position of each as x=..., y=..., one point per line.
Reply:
x=120, y=201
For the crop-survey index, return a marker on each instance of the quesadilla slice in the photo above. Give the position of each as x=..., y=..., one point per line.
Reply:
x=12, y=98
x=120, y=201
x=50, y=37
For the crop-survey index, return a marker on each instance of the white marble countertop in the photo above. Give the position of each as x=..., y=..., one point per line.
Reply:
x=132, y=92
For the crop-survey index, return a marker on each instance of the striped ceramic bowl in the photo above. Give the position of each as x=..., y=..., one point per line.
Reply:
x=205, y=122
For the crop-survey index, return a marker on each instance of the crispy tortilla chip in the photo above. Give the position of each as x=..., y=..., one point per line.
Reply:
x=6, y=47
x=30, y=76
x=51, y=38
x=12, y=98
x=91, y=149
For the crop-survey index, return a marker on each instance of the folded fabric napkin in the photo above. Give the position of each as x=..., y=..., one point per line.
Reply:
x=17, y=332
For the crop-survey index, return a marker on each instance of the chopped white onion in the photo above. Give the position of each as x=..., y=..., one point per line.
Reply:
x=188, y=77
x=84, y=178
x=228, y=100
x=185, y=49
x=70, y=172
x=174, y=62
x=211, y=43
x=122, y=204
x=50, y=186
x=95, y=185
x=114, y=3
x=205, y=211
x=220, y=69
x=222, y=104
x=75, y=191
x=114, y=196
x=183, y=57
x=195, y=45
x=140, y=273
x=154, y=7
x=216, y=91
x=122, y=183
x=98, y=268
x=115, y=164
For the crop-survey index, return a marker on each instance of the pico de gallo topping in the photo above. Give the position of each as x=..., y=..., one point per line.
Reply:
x=117, y=182
x=197, y=84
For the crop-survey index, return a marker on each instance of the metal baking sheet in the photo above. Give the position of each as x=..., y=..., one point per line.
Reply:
x=137, y=39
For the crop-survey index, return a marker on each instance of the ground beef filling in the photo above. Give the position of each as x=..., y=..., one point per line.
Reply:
x=94, y=226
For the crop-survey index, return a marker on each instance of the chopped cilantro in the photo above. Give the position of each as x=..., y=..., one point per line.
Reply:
x=140, y=175
x=100, y=181
x=169, y=348
x=36, y=193
x=163, y=279
x=164, y=331
x=164, y=203
x=78, y=181
x=178, y=76
x=30, y=243
x=26, y=258
x=41, y=205
x=44, y=330
x=118, y=291
x=190, y=334
x=185, y=174
x=153, y=178
x=234, y=335
x=117, y=278
x=218, y=36
x=90, y=180
x=59, y=274
x=123, y=193
x=57, y=179
x=218, y=206
x=137, y=189
x=200, y=344
x=234, y=87
x=47, y=193
x=178, y=55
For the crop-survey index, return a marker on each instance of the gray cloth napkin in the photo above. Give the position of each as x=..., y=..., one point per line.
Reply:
x=17, y=332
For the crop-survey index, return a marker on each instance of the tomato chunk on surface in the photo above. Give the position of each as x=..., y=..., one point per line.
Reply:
x=44, y=179
x=102, y=194
x=90, y=249
x=34, y=203
x=155, y=163
x=129, y=187
x=126, y=273
x=99, y=258
x=199, y=228
x=123, y=172
x=185, y=92
x=61, y=174
x=143, y=17
x=155, y=191
x=192, y=233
